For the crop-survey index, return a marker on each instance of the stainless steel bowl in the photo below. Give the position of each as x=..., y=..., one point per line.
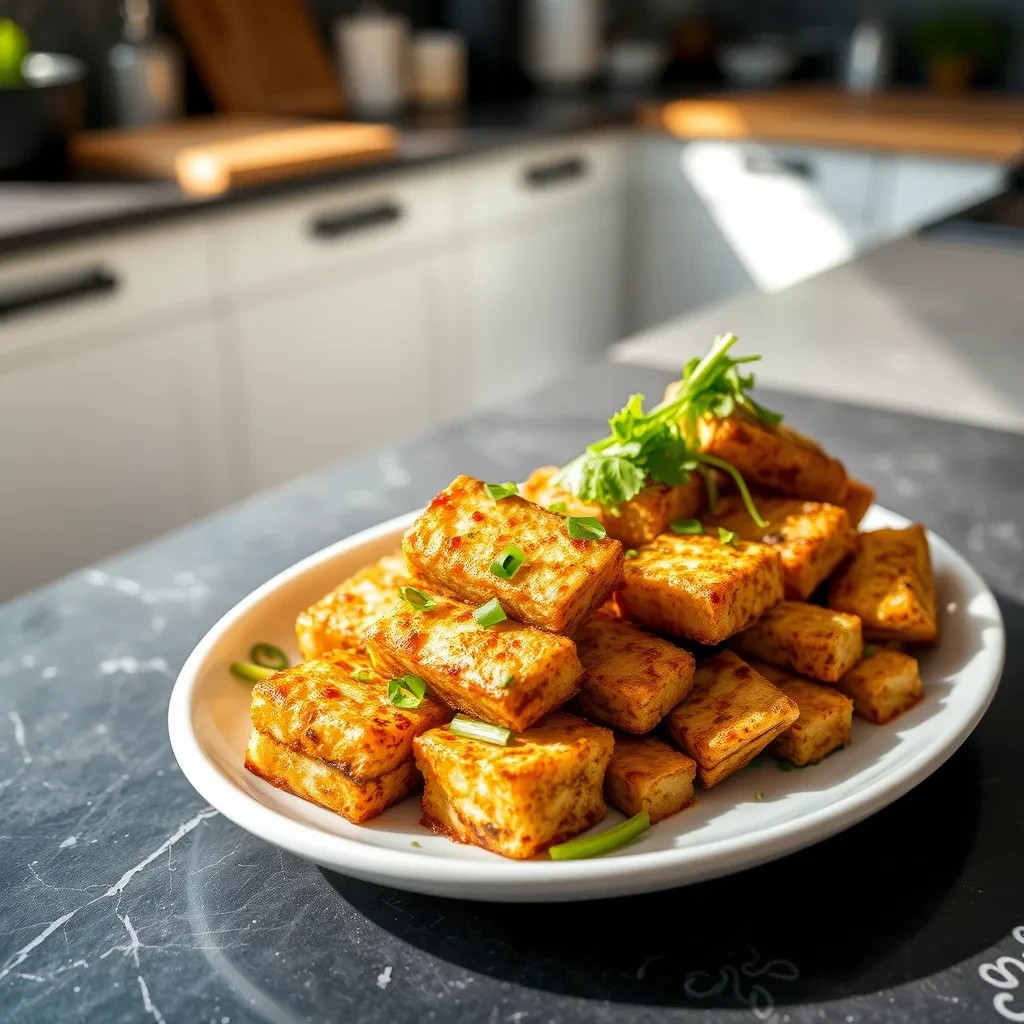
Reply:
x=39, y=116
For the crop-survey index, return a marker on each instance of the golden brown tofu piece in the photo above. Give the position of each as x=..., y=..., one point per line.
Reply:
x=823, y=725
x=811, y=537
x=639, y=520
x=327, y=784
x=888, y=584
x=341, y=618
x=648, y=775
x=700, y=588
x=323, y=710
x=508, y=674
x=807, y=638
x=883, y=685
x=777, y=458
x=462, y=531
x=731, y=715
x=543, y=788
x=631, y=678
x=859, y=498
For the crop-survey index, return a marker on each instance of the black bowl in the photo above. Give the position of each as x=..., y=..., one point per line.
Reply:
x=39, y=116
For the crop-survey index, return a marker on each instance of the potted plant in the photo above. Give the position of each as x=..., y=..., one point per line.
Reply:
x=956, y=44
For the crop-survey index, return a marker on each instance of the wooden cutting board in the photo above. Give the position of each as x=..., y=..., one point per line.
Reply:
x=259, y=56
x=208, y=155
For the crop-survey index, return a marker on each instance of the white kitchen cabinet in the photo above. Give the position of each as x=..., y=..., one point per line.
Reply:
x=335, y=368
x=919, y=190
x=106, y=442
x=711, y=220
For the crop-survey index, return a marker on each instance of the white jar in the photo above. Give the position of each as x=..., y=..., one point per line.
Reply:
x=372, y=50
x=562, y=41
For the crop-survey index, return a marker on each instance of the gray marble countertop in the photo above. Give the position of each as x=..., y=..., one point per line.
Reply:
x=125, y=898
x=896, y=327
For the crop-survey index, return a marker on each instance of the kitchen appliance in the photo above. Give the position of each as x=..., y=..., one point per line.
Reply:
x=562, y=42
x=144, y=72
x=259, y=56
x=373, y=49
x=41, y=113
x=208, y=155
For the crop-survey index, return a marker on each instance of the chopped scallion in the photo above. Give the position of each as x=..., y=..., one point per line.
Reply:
x=269, y=656
x=759, y=796
x=417, y=599
x=362, y=675
x=631, y=552
x=490, y=614
x=686, y=526
x=604, y=842
x=585, y=528
x=727, y=536
x=508, y=562
x=463, y=725
x=406, y=691
x=560, y=507
x=506, y=680
x=251, y=673
x=498, y=491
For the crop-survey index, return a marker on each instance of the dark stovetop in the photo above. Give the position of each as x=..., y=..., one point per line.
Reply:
x=125, y=898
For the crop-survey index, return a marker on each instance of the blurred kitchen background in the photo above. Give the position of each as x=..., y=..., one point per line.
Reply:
x=243, y=239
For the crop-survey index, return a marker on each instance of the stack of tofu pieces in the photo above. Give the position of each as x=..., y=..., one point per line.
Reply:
x=593, y=669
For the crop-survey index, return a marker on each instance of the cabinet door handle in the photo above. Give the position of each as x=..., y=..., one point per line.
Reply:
x=346, y=222
x=56, y=291
x=787, y=166
x=543, y=175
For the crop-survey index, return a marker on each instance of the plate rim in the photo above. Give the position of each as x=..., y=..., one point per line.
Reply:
x=545, y=880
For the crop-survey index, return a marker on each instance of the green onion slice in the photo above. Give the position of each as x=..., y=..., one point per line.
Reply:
x=463, y=725
x=406, y=691
x=727, y=536
x=759, y=795
x=490, y=614
x=362, y=675
x=508, y=562
x=506, y=680
x=269, y=656
x=560, y=507
x=498, y=491
x=417, y=599
x=251, y=673
x=632, y=552
x=604, y=842
x=686, y=526
x=585, y=528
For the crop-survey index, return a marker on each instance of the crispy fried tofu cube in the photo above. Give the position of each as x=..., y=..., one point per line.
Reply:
x=883, y=685
x=777, y=458
x=339, y=619
x=639, y=520
x=823, y=725
x=631, y=678
x=321, y=709
x=462, y=531
x=648, y=775
x=807, y=638
x=327, y=784
x=859, y=498
x=888, y=584
x=731, y=715
x=509, y=674
x=811, y=537
x=543, y=788
x=700, y=588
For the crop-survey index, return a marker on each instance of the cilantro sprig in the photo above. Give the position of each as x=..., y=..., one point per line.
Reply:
x=663, y=445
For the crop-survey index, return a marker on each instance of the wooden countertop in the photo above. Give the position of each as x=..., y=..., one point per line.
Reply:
x=974, y=127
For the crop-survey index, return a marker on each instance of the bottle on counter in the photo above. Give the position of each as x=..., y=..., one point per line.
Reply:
x=869, y=55
x=144, y=71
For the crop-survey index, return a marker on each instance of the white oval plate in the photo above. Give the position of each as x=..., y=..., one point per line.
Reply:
x=727, y=830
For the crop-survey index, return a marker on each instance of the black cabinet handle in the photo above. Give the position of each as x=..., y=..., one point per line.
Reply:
x=792, y=167
x=329, y=226
x=543, y=175
x=65, y=288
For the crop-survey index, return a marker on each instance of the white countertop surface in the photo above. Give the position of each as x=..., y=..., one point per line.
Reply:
x=920, y=325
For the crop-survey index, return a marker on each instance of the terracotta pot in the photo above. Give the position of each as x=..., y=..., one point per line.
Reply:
x=950, y=75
